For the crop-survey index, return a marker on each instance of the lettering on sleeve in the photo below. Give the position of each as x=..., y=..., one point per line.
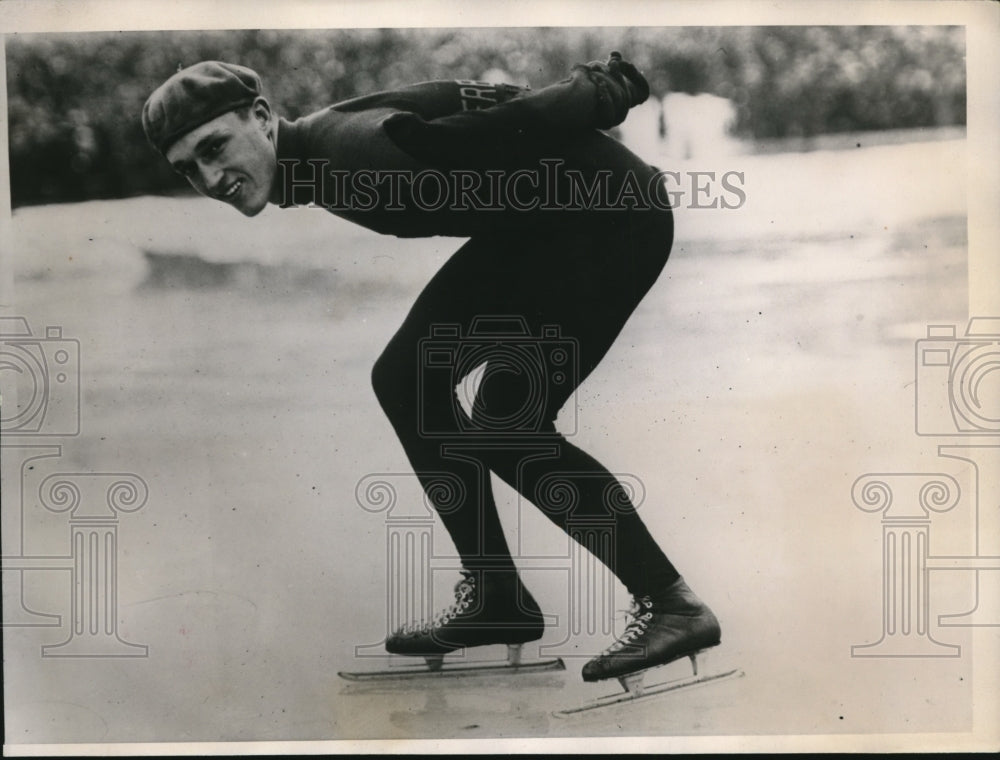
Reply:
x=476, y=95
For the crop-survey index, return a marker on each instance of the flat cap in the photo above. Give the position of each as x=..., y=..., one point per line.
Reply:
x=194, y=96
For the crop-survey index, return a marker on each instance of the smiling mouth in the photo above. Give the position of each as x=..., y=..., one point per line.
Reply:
x=231, y=191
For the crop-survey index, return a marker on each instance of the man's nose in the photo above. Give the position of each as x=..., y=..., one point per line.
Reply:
x=211, y=177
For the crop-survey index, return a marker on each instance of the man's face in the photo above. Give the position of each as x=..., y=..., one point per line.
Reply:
x=231, y=158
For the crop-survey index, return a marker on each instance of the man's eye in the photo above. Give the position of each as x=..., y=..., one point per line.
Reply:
x=215, y=148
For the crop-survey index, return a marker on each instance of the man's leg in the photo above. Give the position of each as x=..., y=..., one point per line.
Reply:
x=588, y=285
x=584, y=283
x=414, y=380
x=418, y=396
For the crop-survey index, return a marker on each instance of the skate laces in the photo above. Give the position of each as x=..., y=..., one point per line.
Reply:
x=641, y=612
x=465, y=592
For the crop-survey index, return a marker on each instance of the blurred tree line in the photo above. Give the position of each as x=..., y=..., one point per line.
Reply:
x=74, y=100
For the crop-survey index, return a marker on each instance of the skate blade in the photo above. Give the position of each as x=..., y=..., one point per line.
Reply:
x=648, y=692
x=437, y=667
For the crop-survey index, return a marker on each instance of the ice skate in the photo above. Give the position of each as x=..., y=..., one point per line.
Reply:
x=673, y=625
x=676, y=624
x=489, y=608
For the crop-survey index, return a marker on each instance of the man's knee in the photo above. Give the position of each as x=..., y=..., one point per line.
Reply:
x=389, y=378
x=411, y=395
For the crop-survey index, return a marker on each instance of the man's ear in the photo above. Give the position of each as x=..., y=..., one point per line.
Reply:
x=261, y=111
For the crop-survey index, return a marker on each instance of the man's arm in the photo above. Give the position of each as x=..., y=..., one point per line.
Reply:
x=435, y=99
x=595, y=96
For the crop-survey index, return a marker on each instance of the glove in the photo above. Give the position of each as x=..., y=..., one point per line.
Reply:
x=620, y=86
x=630, y=77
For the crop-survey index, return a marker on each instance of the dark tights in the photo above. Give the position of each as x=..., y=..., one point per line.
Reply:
x=572, y=288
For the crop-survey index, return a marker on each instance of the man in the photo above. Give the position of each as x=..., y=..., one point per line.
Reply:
x=566, y=230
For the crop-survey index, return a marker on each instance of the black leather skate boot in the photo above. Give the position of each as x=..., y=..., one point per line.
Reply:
x=490, y=607
x=673, y=624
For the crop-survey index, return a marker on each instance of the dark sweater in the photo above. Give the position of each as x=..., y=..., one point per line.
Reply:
x=462, y=158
